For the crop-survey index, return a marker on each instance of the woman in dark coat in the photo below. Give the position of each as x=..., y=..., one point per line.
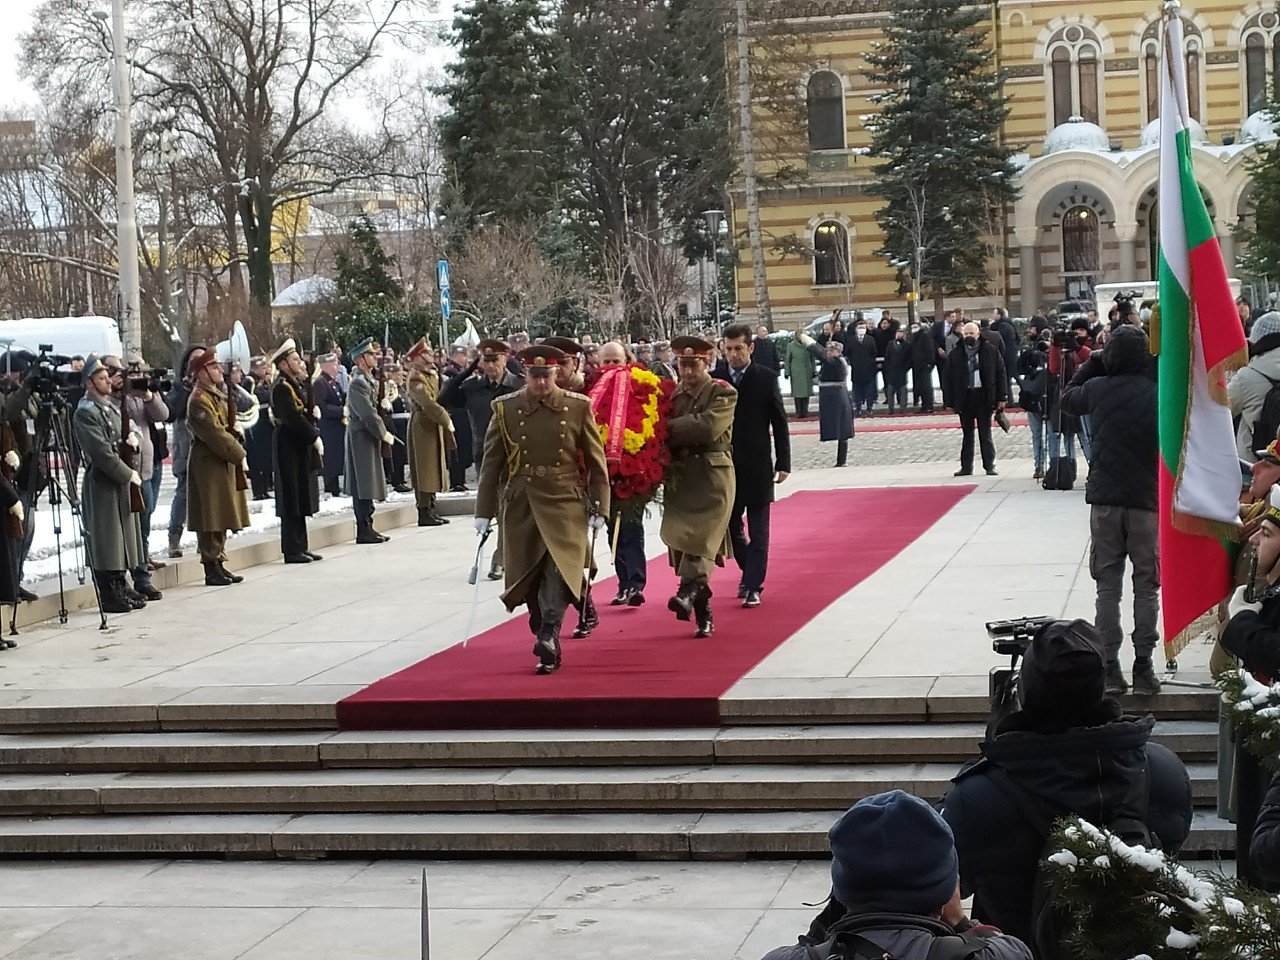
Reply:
x=331, y=405
x=835, y=409
x=296, y=452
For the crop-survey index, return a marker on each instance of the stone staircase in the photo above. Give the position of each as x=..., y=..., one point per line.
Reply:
x=272, y=777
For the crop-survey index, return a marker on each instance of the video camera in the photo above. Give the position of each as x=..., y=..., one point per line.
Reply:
x=44, y=377
x=1010, y=638
x=157, y=380
x=1124, y=301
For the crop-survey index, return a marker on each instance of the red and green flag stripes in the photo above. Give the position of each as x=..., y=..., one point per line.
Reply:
x=1200, y=341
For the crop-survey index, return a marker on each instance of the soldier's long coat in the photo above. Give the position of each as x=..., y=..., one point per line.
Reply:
x=115, y=538
x=535, y=445
x=293, y=443
x=365, y=479
x=698, y=490
x=430, y=433
x=213, y=502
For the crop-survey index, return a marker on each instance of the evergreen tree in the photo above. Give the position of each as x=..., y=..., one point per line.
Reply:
x=945, y=173
x=1261, y=242
x=502, y=135
x=364, y=267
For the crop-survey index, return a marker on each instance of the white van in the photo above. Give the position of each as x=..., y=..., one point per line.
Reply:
x=1105, y=294
x=67, y=335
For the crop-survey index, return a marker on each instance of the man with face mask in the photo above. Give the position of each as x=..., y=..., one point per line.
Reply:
x=978, y=387
x=860, y=351
x=922, y=363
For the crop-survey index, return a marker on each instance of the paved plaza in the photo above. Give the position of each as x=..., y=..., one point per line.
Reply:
x=320, y=632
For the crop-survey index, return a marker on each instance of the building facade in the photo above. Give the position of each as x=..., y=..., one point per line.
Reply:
x=1083, y=122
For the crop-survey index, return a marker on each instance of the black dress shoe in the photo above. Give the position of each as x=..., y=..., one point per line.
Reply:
x=402, y=488
x=314, y=556
x=624, y=595
x=963, y=473
x=296, y=558
x=149, y=592
x=26, y=596
x=382, y=537
x=369, y=538
x=458, y=488
x=991, y=472
x=752, y=599
x=7, y=644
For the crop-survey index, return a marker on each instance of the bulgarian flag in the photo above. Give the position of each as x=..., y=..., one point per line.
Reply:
x=1199, y=341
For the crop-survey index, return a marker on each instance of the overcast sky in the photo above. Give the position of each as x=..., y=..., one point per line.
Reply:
x=17, y=93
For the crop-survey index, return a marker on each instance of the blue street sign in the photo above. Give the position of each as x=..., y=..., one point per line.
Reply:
x=442, y=274
x=445, y=306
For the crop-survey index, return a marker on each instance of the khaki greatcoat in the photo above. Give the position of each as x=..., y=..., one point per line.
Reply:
x=214, y=505
x=115, y=539
x=534, y=445
x=699, y=487
x=430, y=433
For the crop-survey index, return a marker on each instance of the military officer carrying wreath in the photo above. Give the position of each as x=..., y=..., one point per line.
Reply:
x=216, y=480
x=699, y=485
x=533, y=444
x=430, y=434
x=115, y=537
x=297, y=453
x=366, y=433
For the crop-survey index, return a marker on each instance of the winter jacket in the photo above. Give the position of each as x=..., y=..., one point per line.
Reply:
x=897, y=363
x=1119, y=395
x=765, y=353
x=1246, y=393
x=990, y=370
x=1033, y=380
x=1107, y=772
x=1264, y=851
x=909, y=943
x=1009, y=339
x=862, y=356
x=924, y=352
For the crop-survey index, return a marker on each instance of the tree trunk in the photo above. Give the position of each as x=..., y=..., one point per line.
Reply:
x=937, y=302
x=764, y=309
x=255, y=220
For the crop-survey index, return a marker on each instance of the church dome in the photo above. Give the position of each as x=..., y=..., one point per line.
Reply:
x=1151, y=133
x=1259, y=127
x=1076, y=134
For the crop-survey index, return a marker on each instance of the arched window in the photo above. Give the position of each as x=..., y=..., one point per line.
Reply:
x=831, y=255
x=1081, y=252
x=1193, y=78
x=1074, y=54
x=826, y=112
x=1255, y=73
x=1151, y=72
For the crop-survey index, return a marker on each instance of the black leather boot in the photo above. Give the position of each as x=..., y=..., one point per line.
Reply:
x=113, y=601
x=233, y=577
x=682, y=603
x=214, y=577
x=134, y=598
x=702, y=613
x=547, y=648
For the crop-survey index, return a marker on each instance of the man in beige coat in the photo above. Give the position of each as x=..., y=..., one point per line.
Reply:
x=430, y=434
x=699, y=487
x=533, y=443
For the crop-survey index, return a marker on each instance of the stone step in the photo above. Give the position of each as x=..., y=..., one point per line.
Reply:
x=765, y=702
x=648, y=836
x=1193, y=740
x=720, y=787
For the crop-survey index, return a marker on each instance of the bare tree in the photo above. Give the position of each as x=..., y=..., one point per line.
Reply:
x=251, y=83
x=661, y=278
x=506, y=280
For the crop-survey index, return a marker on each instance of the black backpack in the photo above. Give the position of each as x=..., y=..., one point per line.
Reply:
x=846, y=942
x=1268, y=422
x=1049, y=921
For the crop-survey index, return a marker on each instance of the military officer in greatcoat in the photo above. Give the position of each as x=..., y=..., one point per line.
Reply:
x=569, y=376
x=297, y=453
x=534, y=442
x=699, y=484
x=430, y=436
x=216, y=472
x=366, y=433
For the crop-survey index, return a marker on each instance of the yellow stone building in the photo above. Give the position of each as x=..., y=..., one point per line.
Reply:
x=1083, y=122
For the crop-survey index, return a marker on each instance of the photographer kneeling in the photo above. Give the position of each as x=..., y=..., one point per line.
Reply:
x=1069, y=751
x=895, y=891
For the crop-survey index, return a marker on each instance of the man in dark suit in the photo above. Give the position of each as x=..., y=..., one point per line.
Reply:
x=977, y=388
x=765, y=351
x=755, y=466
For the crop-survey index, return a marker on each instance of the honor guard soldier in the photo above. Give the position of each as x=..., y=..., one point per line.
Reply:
x=366, y=433
x=430, y=436
x=297, y=453
x=533, y=445
x=699, y=486
x=569, y=376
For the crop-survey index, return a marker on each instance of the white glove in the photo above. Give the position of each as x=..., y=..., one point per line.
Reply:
x=134, y=478
x=244, y=464
x=483, y=525
x=12, y=460
x=1238, y=604
x=319, y=445
x=132, y=440
x=315, y=413
x=596, y=523
x=18, y=511
x=389, y=438
x=385, y=404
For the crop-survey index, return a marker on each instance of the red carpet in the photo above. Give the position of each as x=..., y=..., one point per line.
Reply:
x=641, y=667
x=809, y=428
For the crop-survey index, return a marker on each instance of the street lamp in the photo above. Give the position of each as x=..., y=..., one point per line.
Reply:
x=714, y=219
x=129, y=314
